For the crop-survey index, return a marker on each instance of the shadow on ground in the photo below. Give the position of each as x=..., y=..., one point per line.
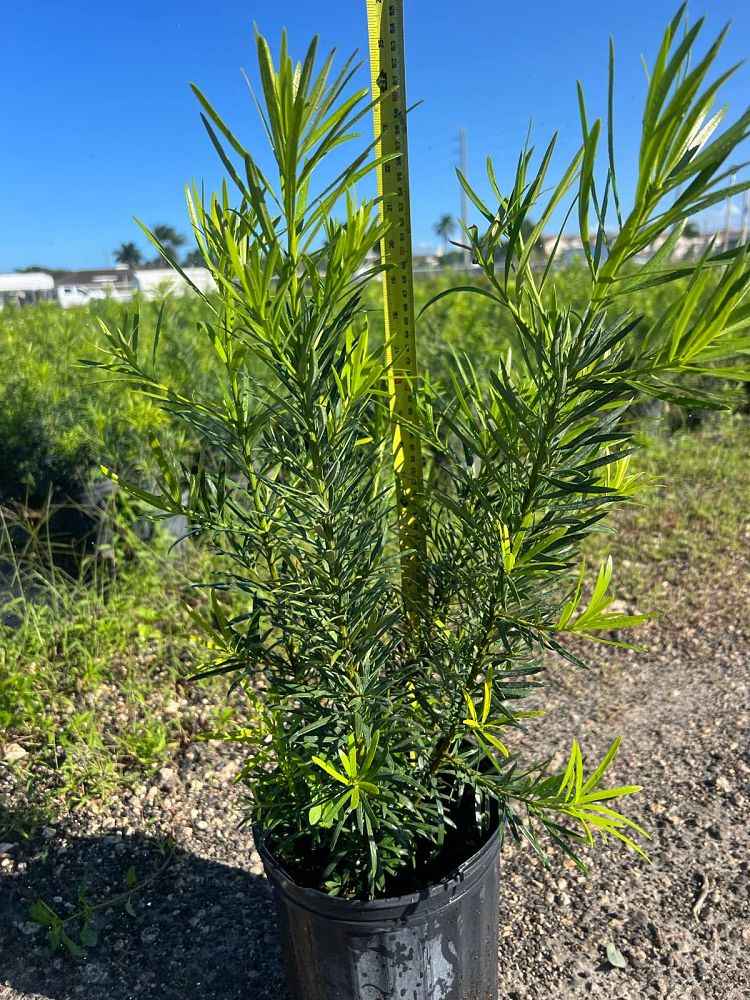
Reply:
x=202, y=930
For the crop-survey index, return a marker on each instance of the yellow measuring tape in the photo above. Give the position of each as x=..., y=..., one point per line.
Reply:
x=385, y=21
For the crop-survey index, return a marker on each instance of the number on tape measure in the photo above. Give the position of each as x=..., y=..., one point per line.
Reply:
x=385, y=23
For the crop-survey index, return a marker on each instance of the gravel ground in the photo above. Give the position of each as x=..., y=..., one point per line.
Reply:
x=683, y=922
x=204, y=928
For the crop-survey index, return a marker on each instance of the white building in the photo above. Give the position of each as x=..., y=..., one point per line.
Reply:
x=81, y=287
x=77, y=288
x=154, y=281
x=26, y=288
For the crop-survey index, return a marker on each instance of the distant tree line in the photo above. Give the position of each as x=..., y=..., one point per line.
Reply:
x=447, y=225
x=129, y=253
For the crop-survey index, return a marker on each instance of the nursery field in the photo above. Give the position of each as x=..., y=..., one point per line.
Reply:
x=119, y=817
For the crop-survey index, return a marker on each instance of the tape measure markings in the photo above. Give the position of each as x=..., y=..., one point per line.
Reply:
x=386, y=34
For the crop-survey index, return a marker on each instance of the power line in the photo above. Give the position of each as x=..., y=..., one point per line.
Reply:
x=464, y=198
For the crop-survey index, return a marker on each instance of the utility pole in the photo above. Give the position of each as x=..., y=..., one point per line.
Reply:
x=464, y=197
x=727, y=215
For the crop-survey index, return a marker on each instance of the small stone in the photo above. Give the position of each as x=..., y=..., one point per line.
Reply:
x=7, y=848
x=14, y=752
x=48, y=832
x=167, y=777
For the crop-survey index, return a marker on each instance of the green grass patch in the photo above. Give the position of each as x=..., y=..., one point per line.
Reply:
x=692, y=529
x=93, y=678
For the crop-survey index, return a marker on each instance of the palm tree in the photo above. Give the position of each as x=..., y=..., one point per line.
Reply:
x=169, y=238
x=193, y=258
x=128, y=253
x=444, y=227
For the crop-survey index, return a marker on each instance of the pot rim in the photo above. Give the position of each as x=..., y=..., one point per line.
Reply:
x=427, y=901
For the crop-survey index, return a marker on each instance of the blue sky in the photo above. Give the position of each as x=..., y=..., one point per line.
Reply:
x=99, y=123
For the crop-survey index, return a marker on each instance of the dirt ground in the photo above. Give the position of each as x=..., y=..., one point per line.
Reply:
x=204, y=928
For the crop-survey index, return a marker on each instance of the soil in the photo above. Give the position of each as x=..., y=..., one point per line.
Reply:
x=204, y=928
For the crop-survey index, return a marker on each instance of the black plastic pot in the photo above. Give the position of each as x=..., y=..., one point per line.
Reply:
x=72, y=525
x=70, y=530
x=439, y=944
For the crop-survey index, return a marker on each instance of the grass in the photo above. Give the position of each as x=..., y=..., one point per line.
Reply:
x=691, y=531
x=58, y=420
x=93, y=692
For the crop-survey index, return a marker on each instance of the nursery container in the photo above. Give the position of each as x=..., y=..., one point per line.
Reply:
x=438, y=944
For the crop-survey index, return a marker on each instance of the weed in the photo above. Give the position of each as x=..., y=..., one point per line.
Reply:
x=77, y=932
x=147, y=743
x=86, y=671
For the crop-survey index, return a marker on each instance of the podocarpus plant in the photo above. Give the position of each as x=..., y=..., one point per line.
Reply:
x=370, y=724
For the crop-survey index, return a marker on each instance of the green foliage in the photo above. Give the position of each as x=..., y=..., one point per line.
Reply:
x=75, y=652
x=615, y=957
x=372, y=726
x=147, y=743
x=77, y=933
x=694, y=526
x=57, y=425
x=129, y=254
x=444, y=228
x=39, y=448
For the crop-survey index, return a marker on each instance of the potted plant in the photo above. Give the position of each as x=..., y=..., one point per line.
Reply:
x=383, y=766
